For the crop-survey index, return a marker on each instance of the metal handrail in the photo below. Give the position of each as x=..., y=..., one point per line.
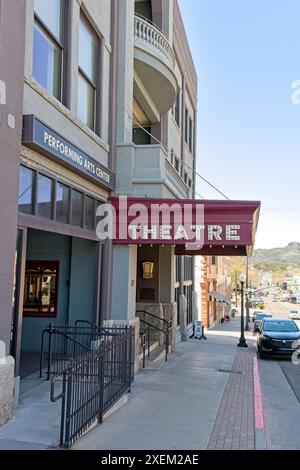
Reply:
x=154, y=316
x=52, y=330
x=101, y=329
x=143, y=344
x=165, y=330
x=92, y=384
x=72, y=341
x=86, y=322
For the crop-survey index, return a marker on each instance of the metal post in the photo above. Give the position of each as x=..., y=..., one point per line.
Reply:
x=100, y=365
x=49, y=351
x=42, y=354
x=167, y=343
x=68, y=410
x=242, y=343
x=144, y=351
x=236, y=290
x=63, y=410
x=247, y=297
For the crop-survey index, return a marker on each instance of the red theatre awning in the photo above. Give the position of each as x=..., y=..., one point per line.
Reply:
x=194, y=227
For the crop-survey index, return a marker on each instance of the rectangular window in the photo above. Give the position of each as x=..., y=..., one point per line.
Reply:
x=141, y=136
x=44, y=197
x=50, y=13
x=41, y=288
x=178, y=108
x=190, y=183
x=191, y=135
x=48, y=49
x=62, y=203
x=77, y=208
x=87, y=75
x=185, y=177
x=26, y=182
x=186, y=133
x=90, y=213
x=177, y=164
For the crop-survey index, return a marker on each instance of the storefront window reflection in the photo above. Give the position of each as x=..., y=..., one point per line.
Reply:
x=44, y=197
x=26, y=190
x=47, y=45
x=62, y=203
x=77, y=208
x=41, y=283
x=89, y=213
x=45, y=186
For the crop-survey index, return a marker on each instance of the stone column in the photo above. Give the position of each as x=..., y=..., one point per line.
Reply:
x=183, y=317
x=7, y=369
x=170, y=313
x=157, y=310
x=167, y=274
x=195, y=308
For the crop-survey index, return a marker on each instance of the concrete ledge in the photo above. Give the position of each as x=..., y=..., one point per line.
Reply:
x=260, y=439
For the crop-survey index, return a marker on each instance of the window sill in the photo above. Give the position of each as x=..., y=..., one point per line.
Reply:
x=65, y=111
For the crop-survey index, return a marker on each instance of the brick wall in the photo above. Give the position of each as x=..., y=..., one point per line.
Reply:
x=204, y=294
x=12, y=39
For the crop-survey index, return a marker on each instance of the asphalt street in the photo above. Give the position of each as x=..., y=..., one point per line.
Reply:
x=291, y=372
x=280, y=380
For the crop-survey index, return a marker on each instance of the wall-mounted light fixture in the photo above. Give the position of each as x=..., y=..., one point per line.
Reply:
x=148, y=269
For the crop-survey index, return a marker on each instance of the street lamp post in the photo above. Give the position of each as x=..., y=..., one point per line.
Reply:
x=236, y=290
x=242, y=343
x=247, y=296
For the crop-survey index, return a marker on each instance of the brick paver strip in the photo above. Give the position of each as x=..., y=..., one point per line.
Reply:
x=234, y=426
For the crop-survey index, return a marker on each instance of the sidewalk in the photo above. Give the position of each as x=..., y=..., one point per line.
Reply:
x=203, y=398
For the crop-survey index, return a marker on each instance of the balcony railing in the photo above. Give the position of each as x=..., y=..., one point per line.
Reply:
x=151, y=35
x=151, y=163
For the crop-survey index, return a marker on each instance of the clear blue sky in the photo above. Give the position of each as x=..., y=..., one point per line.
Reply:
x=247, y=54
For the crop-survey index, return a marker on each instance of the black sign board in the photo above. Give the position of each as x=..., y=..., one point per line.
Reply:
x=47, y=141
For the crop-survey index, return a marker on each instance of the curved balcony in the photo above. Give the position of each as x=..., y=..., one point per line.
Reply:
x=154, y=65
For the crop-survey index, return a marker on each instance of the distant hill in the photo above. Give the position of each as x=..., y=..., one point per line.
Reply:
x=288, y=255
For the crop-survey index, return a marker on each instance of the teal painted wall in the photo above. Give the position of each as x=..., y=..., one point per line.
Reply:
x=77, y=282
x=52, y=247
x=83, y=280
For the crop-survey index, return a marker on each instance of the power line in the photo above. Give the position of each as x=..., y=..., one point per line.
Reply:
x=185, y=164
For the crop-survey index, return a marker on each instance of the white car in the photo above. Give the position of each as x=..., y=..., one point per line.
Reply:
x=294, y=315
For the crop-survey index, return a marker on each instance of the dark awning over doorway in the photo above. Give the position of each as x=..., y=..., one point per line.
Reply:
x=194, y=227
x=219, y=297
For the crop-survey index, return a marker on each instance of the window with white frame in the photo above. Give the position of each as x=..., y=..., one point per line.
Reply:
x=88, y=103
x=49, y=32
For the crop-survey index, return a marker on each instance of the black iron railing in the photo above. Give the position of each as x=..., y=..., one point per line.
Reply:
x=143, y=344
x=61, y=344
x=161, y=325
x=93, y=383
